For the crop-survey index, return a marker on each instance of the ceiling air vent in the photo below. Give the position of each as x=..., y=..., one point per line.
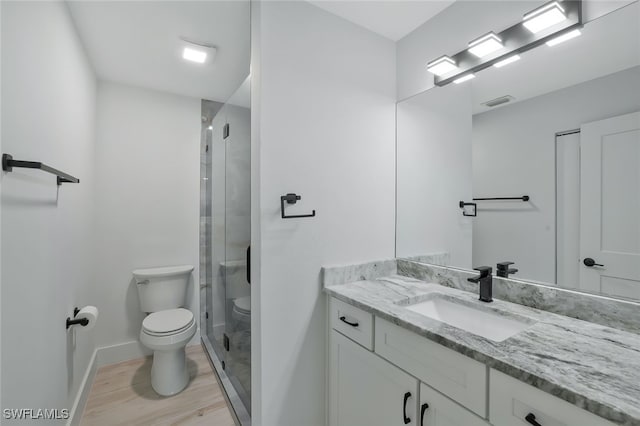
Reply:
x=499, y=101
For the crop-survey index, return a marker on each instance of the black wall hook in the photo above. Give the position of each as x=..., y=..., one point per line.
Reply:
x=82, y=321
x=292, y=198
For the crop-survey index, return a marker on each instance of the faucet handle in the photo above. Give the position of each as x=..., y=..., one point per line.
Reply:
x=503, y=266
x=485, y=271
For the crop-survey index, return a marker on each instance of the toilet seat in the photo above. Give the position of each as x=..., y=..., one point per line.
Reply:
x=167, y=322
x=243, y=305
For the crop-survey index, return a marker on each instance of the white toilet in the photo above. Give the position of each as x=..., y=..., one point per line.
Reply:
x=241, y=313
x=168, y=327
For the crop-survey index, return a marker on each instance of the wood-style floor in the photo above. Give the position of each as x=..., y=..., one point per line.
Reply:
x=121, y=394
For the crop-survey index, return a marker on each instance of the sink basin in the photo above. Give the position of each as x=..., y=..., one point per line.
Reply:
x=485, y=323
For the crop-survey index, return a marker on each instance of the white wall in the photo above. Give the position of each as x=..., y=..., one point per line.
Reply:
x=147, y=198
x=434, y=174
x=48, y=115
x=514, y=153
x=451, y=30
x=323, y=93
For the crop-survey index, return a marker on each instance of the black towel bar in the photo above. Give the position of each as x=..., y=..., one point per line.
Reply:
x=8, y=163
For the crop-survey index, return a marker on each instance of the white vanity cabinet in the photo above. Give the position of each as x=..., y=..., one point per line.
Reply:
x=381, y=374
x=365, y=390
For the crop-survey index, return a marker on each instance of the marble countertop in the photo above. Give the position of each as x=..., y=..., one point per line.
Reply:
x=594, y=367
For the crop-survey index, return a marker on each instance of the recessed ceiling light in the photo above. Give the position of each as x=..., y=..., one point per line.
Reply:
x=485, y=45
x=564, y=37
x=441, y=66
x=509, y=60
x=194, y=55
x=544, y=17
x=464, y=78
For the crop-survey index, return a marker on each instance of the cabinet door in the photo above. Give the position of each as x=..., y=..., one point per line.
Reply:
x=438, y=410
x=365, y=390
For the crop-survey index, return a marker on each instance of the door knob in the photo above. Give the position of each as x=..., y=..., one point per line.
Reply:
x=590, y=262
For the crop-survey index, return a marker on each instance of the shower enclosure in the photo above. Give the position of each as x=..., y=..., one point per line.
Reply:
x=225, y=230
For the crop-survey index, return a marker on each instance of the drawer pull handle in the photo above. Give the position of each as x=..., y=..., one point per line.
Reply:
x=407, y=420
x=531, y=418
x=352, y=324
x=424, y=408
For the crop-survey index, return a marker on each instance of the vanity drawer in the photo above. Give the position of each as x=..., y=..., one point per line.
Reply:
x=353, y=322
x=459, y=377
x=511, y=401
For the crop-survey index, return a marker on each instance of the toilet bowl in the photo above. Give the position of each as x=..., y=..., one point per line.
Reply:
x=168, y=327
x=167, y=333
x=241, y=313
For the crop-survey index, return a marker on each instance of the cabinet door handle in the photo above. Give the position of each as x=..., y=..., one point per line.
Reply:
x=346, y=321
x=424, y=408
x=531, y=419
x=407, y=420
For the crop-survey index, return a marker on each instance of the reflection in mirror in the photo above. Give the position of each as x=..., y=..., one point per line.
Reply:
x=561, y=126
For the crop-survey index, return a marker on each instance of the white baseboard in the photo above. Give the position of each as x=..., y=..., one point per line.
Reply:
x=122, y=352
x=130, y=350
x=75, y=414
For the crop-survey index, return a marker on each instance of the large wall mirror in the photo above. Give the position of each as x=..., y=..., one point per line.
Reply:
x=560, y=126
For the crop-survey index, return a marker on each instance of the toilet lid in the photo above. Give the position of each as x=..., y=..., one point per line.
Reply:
x=243, y=304
x=168, y=321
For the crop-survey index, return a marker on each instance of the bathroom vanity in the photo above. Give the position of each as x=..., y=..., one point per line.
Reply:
x=405, y=351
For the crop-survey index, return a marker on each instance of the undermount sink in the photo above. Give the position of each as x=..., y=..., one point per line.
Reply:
x=485, y=323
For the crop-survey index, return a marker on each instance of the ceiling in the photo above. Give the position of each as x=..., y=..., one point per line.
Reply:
x=138, y=43
x=392, y=19
x=607, y=45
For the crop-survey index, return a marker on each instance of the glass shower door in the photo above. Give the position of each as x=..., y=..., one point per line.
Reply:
x=226, y=212
x=237, y=240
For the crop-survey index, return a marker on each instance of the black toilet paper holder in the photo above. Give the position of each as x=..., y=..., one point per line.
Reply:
x=82, y=321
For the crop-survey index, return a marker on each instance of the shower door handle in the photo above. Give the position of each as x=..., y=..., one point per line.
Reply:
x=249, y=265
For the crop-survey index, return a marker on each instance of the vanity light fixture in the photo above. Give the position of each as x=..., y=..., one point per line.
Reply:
x=442, y=66
x=509, y=60
x=485, y=45
x=464, y=78
x=544, y=17
x=552, y=23
x=564, y=37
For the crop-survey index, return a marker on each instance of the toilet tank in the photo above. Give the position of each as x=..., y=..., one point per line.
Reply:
x=162, y=288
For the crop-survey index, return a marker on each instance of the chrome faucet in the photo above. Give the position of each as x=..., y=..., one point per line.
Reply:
x=486, y=283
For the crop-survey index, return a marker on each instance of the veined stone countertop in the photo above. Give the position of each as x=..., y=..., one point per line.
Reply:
x=594, y=367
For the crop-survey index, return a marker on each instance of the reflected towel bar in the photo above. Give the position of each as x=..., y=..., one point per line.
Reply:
x=474, y=213
x=523, y=198
x=8, y=163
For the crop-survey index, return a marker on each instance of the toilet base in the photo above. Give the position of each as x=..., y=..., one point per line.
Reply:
x=169, y=373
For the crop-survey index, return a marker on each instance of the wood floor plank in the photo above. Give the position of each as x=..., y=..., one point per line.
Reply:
x=121, y=394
